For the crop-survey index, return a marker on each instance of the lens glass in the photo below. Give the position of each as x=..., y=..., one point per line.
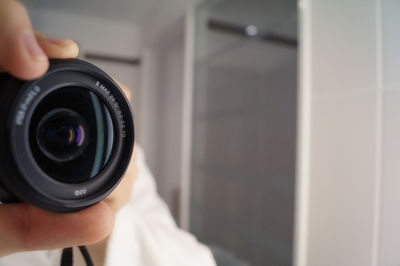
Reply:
x=72, y=135
x=61, y=135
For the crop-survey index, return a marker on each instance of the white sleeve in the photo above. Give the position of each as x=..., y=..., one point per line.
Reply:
x=146, y=234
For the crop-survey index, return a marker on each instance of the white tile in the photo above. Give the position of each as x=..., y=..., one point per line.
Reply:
x=343, y=43
x=390, y=205
x=342, y=180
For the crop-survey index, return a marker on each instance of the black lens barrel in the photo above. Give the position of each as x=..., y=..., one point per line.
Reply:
x=66, y=138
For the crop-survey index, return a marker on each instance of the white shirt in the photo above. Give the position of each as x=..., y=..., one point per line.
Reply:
x=144, y=234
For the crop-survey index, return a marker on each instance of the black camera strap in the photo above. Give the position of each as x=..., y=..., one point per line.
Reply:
x=67, y=256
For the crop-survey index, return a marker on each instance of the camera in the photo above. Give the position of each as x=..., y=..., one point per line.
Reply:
x=66, y=138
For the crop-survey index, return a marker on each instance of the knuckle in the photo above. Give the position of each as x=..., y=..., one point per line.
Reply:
x=12, y=6
x=17, y=6
x=13, y=17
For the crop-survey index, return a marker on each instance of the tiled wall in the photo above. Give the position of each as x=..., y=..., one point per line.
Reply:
x=348, y=175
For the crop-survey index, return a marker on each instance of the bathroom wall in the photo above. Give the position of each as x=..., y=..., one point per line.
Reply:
x=347, y=200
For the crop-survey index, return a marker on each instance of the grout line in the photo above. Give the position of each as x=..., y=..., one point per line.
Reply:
x=379, y=129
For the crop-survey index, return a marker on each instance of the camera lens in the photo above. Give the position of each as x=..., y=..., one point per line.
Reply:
x=66, y=138
x=72, y=134
x=61, y=135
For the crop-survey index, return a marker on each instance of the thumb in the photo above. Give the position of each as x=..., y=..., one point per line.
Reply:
x=20, y=53
x=24, y=227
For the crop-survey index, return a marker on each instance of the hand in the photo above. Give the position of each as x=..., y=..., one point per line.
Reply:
x=23, y=227
x=116, y=200
x=23, y=52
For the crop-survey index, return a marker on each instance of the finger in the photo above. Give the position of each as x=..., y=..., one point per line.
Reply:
x=124, y=88
x=122, y=193
x=57, y=47
x=24, y=227
x=20, y=53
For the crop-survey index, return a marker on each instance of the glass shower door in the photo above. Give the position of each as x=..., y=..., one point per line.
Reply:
x=244, y=130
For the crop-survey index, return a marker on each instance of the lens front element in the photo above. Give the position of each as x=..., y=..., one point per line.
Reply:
x=61, y=135
x=72, y=135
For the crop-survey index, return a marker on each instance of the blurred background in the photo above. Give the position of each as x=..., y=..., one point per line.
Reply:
x=270, y=125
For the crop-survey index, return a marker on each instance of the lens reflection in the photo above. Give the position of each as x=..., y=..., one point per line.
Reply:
x=61, y=135
x=72, y=135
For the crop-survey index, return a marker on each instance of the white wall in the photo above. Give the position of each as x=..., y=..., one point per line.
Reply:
x=94, y=34
x=348, y=174
x=162, y=86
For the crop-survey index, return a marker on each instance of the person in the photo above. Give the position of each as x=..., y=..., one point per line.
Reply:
x=133, y=226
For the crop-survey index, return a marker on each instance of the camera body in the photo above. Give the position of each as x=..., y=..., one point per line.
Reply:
x=66, y=138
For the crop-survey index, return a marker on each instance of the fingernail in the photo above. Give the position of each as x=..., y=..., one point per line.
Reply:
x=56, y=41
x=32, y=46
